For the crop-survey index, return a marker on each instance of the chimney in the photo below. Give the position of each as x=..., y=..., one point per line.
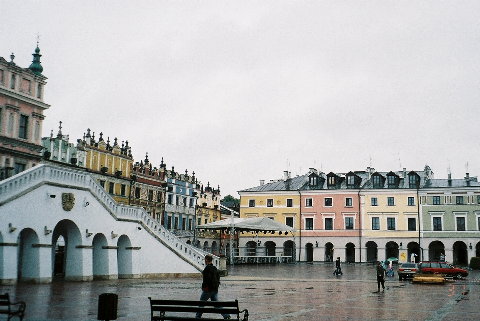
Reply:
x=449, y=179
x=404, y=172
x=467, y=178
x=262, y=182
x=286, y=175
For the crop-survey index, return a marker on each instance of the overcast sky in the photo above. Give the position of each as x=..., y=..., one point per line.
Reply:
x=239, y=91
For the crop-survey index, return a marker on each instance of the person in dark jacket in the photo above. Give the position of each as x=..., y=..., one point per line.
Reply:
x=210, y=283
x=380, y=276
x=338, y=268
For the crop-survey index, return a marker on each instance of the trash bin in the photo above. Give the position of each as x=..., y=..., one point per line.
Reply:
x=107, y=306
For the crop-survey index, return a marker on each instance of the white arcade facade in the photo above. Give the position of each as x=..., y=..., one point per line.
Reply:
x=56, y=222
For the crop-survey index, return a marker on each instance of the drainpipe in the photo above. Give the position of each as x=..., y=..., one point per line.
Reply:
x=420, y=253
x=359, y=224
x=300, y=222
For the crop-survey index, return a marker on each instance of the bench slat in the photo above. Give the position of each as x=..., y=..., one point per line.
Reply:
x=194, y=303
x=193, y=309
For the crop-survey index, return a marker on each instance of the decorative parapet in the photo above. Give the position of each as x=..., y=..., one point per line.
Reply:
x=49, y=174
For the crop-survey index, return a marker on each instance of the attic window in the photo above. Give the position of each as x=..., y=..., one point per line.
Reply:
x=331, y=180
x=376, y=181
x=412, y=181
x=391, y=180
x=350, y=180
x=313, y=180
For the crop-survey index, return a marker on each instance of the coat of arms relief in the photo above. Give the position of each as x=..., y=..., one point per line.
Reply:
x=68, y=201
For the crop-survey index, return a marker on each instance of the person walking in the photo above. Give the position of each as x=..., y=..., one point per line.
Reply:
x=380, y=276
x=338, y=268
x=210, y=283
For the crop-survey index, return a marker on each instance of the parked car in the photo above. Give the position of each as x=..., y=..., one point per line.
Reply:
x=442, y=268
x=407, y=270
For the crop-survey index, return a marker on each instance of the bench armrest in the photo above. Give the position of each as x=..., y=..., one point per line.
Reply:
x=245, y=314
x=21, y=305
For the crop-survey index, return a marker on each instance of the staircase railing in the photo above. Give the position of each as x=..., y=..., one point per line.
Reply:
x=17, y=185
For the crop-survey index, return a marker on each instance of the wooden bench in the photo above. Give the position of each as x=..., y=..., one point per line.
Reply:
x=178, y=309
x=12, y=309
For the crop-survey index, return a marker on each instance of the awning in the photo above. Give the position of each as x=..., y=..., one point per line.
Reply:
x=253, y=224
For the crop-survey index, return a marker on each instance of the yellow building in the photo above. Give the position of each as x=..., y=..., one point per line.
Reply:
x=390, y=221
x=110, y=164
x=280, y=201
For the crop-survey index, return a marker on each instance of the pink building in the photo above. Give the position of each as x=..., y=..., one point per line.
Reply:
x=330, y=211
x=21, y=115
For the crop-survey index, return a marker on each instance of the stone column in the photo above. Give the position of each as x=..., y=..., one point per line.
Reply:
x=44, y=263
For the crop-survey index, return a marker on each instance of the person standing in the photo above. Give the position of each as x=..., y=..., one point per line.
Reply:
x=210, y=283
x=380, y=276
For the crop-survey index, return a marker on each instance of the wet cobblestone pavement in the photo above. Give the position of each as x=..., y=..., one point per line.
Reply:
x=270, y=292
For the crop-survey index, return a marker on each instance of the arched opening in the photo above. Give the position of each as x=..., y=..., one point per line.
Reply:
x=329, y=252
x=309, y=252
x=214, y=248
x=69, y=259
x=251, y=249
x=205, y=246
x=477, y=250
x=100, y=257
x=289, y=249
x=59, y=258
x=413, y=252
x=270, y=248
x=350, y=253
x=435, y=249
x=28, y=269
x=391, y=250
x=460, y=253
x=124, y=257
x=372, y=251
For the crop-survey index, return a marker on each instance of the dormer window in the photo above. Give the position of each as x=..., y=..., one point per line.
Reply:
x=331, y=181
x=313, y=180
x=350, y=180
x=392, y=180
x=413, y=180
x=353, y=180
x=377, y=181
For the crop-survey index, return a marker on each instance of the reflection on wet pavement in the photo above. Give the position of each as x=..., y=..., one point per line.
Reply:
x=270, y=292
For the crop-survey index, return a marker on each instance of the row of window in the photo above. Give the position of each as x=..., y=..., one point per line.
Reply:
x=110, y=187
x=391, y=201
x=22, y=126
x=179, y=224
x=289, y=202
x=459, y=200
x=391, y=223
x=328, y=202
x=436, y=200
x=460, y=223
x=180, y=200
x=25, y=84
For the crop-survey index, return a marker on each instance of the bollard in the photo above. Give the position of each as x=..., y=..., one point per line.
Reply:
x=107, y=306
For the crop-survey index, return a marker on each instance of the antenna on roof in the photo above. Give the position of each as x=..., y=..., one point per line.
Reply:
x=466, y=167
